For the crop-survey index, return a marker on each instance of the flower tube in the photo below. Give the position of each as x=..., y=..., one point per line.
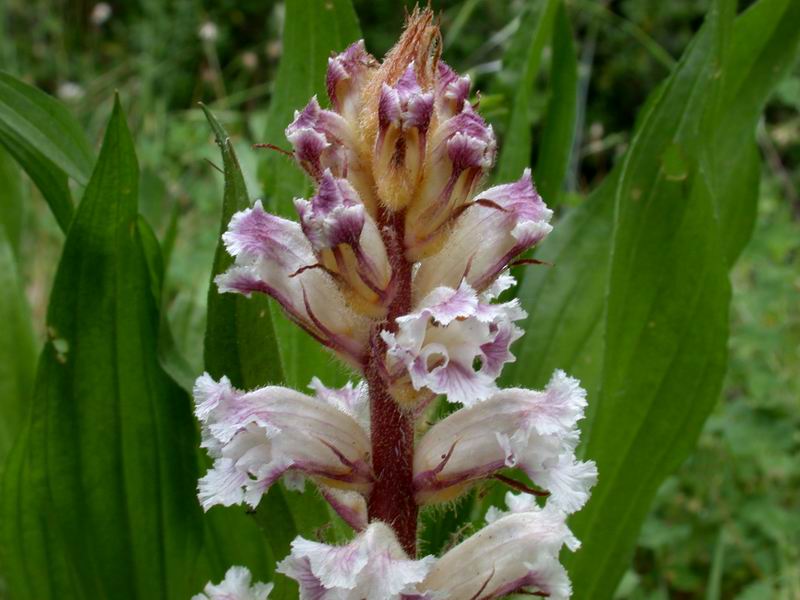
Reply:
x=518, y=428
x=258, y=437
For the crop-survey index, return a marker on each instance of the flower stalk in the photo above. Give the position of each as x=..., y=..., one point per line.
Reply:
x=396, y=265
x=392, y=427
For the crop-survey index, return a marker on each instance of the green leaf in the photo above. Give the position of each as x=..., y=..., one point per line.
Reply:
x=99, y=496
x=558, y=133
x=331, y=25
x=46, y=140
x=17, y=345
x=764, y=47
x=13, y=205
x=516, y=147
x=668, y=295
x=241, y=343
x=240, y=339
x=693, y=162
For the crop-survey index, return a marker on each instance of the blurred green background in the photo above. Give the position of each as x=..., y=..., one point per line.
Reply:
x=729, y=520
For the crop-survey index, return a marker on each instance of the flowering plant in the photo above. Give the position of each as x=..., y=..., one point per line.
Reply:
x=397, y=265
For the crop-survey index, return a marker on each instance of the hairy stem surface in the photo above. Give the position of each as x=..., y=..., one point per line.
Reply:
x=392, y=428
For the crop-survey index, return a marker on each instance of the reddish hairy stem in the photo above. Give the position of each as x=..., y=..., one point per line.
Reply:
x=392, y=428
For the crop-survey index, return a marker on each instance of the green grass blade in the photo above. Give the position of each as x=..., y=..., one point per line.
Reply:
x=558, y=133
x=515, y=148
x=47, y=142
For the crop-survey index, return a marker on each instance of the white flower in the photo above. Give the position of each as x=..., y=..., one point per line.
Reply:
x=274, y=257
x=208, y=32
x=69, y=90
x=534, y=431
x=373, y=566
x=498, y=225
x=515, y=552
x=453, y=329
x=257, y=437
x=100, y=13
x=235, y=586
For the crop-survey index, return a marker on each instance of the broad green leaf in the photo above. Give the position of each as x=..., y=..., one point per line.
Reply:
x=675, y=236
x=240, y=339
x=566, y=302
x=764, y=47
x=99, y=495
x=312, y=31
x=241, y=343
x=558, y=133
x=516, y=147
x=46, y=140
x=666, y=320
x=17, y=346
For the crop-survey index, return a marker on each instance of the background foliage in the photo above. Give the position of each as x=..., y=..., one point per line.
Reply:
x=643, y=121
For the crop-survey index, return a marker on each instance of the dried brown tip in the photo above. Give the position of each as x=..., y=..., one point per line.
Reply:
x=420, y=42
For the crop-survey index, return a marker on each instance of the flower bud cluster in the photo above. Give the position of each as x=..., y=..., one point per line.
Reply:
x=396, y=264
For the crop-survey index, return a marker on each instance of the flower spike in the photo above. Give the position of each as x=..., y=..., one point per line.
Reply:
x=398, y=263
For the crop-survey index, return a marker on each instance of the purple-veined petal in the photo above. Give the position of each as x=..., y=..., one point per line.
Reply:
x=350, y=399
x=497, y=226
x=347, y=73
x=452, y=91
x=257, y=437
x=441, y=341
x=274, y=257
x=373, y=565
x=516, y=552
x=533, y=431
x=236, y=586
x=349, y=505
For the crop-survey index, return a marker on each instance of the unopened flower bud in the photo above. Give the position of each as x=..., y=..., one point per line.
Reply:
x=461, y=150
x=452, y=91
x=348, y=72
x=321, y=140
x=325, y=140
x=534, y=431
x=372, y=566
x=404, y=116
x=235, y=586
x=257, y=437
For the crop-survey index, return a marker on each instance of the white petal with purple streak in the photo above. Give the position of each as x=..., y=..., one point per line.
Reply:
x=373, y=565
